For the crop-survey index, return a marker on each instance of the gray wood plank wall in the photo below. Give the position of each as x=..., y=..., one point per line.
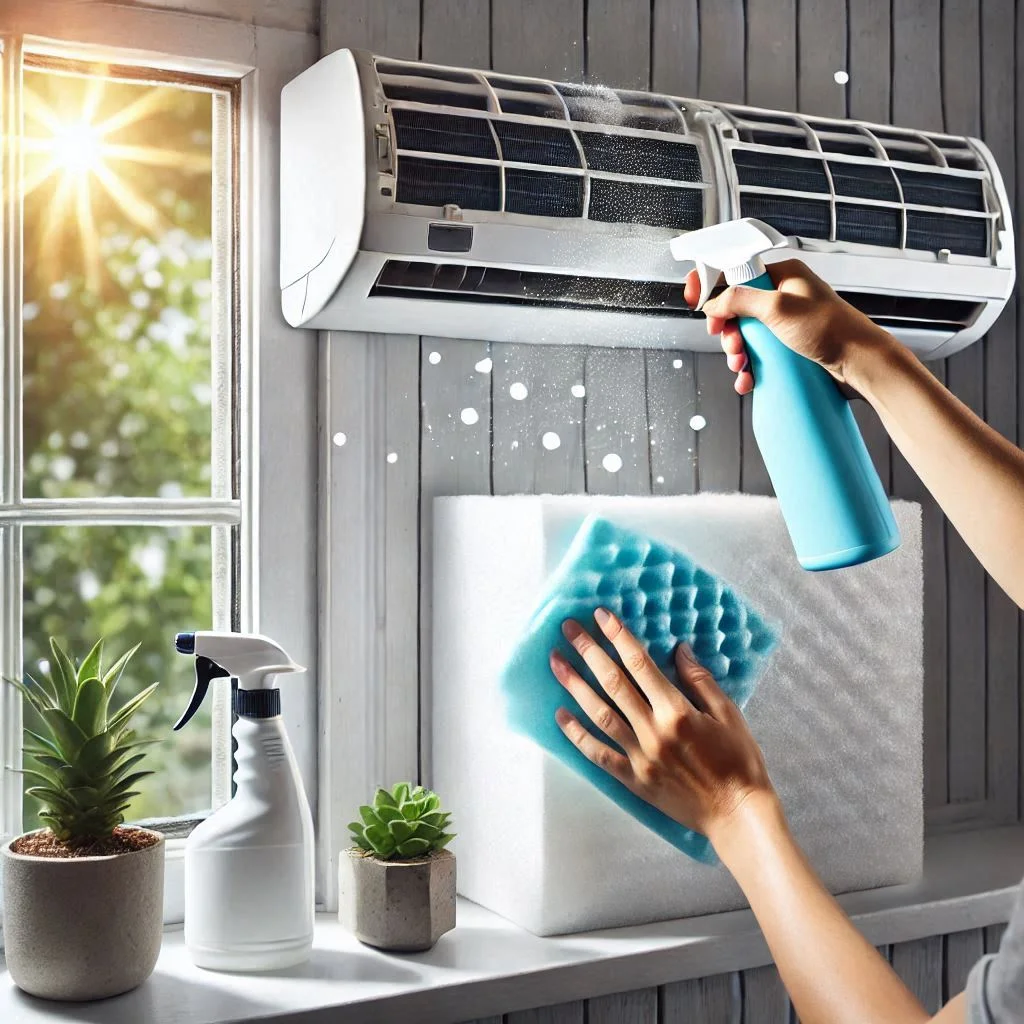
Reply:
x=543, y=418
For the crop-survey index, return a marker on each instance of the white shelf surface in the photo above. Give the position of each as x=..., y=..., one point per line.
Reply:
x=489, y=966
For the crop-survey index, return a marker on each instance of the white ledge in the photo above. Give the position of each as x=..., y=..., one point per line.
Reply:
x=488, y=966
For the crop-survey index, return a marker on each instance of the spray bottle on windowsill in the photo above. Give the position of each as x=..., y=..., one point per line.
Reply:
x=249, y=903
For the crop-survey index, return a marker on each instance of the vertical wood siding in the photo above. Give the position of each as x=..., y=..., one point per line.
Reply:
x=478, y=418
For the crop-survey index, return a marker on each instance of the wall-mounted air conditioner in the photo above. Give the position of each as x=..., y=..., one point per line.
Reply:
x=418, y=199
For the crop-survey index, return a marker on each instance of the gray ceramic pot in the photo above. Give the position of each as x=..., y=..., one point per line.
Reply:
x=85, y=927
x=403, y=906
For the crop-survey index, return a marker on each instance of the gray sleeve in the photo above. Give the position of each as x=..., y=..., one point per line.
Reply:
x=995, y=986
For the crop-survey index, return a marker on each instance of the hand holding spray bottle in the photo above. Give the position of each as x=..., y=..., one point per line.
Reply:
x=249, y=902
x=829, y=493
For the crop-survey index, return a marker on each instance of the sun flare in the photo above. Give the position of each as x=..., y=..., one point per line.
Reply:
x=87, y=159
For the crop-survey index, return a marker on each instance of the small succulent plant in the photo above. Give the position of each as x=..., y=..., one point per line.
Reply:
x=403, y=823
x=85, y=764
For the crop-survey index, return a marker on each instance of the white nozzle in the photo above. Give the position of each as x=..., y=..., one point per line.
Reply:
x=733, y=247
x=252, y=659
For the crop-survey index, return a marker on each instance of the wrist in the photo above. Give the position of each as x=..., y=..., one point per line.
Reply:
x=757, y=819
x=867, y=358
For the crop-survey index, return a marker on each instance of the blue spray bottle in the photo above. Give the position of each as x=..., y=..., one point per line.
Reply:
x=828, y=490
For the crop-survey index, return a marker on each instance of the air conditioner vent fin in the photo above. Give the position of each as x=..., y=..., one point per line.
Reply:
x=543, y=195
x=967, y=236
x=950, y=190
x=639, y=155
x=448, y=134
x=440, y=182
x=627, y=202
x=864, y=181
x=537, y=144
x=869, y=225
x=774, y=170
x=808, y=218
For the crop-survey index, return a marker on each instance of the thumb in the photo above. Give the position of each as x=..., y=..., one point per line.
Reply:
x=740, y=301
x=700, y=680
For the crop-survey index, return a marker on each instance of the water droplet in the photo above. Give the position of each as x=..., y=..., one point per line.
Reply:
x=470, y=416
x=578, y=391
x=677, y=364
x=659, y=480
x=434, y=358
x=551, y=440
x=484, y=366
x=612, y=462
x=339, y=438
x=392, y=457
x=518, y=391
x=515, y=444
x=698, y=422
x=841, y=77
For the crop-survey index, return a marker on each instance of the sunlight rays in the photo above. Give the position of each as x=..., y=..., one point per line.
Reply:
x=75, y=146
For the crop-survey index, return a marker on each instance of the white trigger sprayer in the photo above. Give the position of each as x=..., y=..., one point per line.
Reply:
x=829, y=493
x=249, y=902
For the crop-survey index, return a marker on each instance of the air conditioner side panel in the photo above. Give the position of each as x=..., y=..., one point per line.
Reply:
x=323, y=183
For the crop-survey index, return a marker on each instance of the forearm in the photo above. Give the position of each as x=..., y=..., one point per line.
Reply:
x=832, y=973
x=975, y=474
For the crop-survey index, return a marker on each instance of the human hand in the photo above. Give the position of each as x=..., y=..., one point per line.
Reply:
x=694, y=759
x=803, y=312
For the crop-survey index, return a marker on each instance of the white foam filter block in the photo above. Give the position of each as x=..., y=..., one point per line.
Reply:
x=837, y=712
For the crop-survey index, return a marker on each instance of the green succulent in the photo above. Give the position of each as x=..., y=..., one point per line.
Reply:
x=86, y=765
x=402, y=824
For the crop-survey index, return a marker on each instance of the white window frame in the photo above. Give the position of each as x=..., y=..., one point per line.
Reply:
x=276, y=510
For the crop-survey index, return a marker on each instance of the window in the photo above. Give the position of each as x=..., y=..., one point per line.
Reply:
x=120, y=503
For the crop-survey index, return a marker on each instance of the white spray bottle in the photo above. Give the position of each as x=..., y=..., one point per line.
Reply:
x=249, y=903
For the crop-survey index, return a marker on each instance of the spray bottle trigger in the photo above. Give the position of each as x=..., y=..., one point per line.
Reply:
x=206, y=672
x=708, y=277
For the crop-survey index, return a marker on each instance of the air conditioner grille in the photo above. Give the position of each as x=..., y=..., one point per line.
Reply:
x=809, y=218
x=440, y=182
x=447, y=87
x=869, y=225
x=773, y=170
x=967, y=236
x=501, y=285
x=544, y=195
x=638, y=155
x=537, y=144
x=449, y=134
x=948, y=190
x=864, y=181
x=627, y=202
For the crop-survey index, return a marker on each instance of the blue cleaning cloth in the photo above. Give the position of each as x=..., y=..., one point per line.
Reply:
x=663, y=598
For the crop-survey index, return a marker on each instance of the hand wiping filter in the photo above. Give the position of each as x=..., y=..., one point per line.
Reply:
x=829, y=492
x=663, y=598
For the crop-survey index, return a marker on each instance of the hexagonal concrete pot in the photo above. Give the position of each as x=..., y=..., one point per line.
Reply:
x=83, y=928
x=404, y=906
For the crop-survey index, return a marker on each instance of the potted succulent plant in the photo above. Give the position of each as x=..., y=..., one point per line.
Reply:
x=397, y=885
x=83, y=897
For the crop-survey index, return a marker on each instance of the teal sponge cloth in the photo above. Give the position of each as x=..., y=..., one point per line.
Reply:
x=663, y=598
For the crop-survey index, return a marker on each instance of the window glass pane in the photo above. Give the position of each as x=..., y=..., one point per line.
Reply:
x=119, y=293
x=132, y=584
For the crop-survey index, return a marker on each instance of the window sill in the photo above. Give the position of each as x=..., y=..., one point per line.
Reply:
x=489, y=966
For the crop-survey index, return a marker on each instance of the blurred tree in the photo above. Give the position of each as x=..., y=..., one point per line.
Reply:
x=118, y=389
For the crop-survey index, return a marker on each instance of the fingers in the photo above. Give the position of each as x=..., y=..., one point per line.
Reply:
x=635, y=658
x=691, y=289
x=611, y=761
x=744, y=383
x=738, y=301
x=596, y=709
x=702, y=682
x=613, y=680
